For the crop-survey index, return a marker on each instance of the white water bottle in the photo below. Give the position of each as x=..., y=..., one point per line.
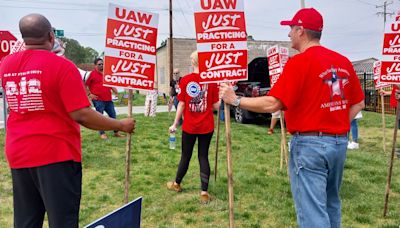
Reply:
x=172, y=140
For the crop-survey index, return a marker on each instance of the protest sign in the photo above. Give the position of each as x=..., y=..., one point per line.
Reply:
x=277, y=58
x=130, y=54
x=377, y=73
x=390, y=66
x=221, y=40
x=127, y=216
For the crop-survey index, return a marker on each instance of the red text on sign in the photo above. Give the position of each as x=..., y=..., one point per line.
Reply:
x=222, y=46
x=131, y=55
x=395, y=27
x=131, y=15
x=218, y=4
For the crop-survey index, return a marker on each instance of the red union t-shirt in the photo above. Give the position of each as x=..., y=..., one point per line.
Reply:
x=95, y=84
x=393, y=101
x=198, y=98
x=41, y=89
x=317, y=88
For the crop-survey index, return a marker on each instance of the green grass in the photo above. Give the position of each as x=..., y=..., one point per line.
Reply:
x=262, y=191
x=138, y=99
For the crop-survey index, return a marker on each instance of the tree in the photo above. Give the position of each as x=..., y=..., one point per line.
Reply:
x=77, y=53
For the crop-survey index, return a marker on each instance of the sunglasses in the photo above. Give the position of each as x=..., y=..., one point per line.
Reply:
x=100, y=64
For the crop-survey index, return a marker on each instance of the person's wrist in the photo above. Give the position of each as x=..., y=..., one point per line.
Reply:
x=236, y=101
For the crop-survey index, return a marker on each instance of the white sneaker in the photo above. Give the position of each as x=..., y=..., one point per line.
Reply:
x=353, y=146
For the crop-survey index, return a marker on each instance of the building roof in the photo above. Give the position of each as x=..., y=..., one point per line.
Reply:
x=364, y=65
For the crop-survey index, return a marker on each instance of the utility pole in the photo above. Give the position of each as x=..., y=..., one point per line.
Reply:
x=171, y=45
x=302, y=4
x=384, y=13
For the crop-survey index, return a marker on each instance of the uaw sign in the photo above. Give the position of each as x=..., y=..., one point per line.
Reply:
x=221, y=40
x=377, y=73
x=277, y=58
x=130, y=54
x=390, y=66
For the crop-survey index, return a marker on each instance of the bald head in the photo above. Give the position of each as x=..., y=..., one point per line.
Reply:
x=35, y=29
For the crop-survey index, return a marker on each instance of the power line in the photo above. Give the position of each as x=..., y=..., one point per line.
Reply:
x=366, y=3
x=190, y=6
x=89, y=8
x=56, y=3
x=186, y=20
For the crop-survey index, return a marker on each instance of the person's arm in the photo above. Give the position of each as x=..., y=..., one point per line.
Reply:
x=91, y=119
x=354, y=109
x=90, y=95
x=216, y=105
x=384, y=92
x=115, y=90
x=262, y=104
x=178, y=116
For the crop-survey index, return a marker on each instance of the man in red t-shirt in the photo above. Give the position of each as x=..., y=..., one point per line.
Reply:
x=320, y=94
x=100, y=94
x=43, y=141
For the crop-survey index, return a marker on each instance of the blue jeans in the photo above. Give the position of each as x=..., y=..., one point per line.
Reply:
x=176, y=101
x=108, y=107
x=316, y=170
x=354, y=130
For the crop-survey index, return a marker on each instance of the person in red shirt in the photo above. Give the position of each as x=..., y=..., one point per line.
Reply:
x=47, y=102
x=320, y=93
x=100, y=94
x=393, y=101
x=196, y=104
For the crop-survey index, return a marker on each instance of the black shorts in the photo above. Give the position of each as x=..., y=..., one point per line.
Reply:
x=55, y=189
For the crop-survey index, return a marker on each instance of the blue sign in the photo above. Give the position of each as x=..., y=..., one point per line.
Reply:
x=127, y=216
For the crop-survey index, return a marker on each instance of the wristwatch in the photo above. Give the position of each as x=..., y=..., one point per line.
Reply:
x=236, y=102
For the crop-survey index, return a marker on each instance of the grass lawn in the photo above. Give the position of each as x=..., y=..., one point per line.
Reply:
x=262, y=191
x=138, y=99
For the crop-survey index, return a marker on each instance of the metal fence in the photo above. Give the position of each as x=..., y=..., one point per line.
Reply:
x=372, y=96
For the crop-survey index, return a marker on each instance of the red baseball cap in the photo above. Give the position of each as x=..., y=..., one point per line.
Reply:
x=309, y=18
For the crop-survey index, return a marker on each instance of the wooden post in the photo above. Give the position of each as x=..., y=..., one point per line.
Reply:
x=128, y=151
x=283, y=139
x=171, y=43
x=281, y=162
x=216, y=143
x=229, y=163
x=383, y=123
x=389, y=177
x=5, y=110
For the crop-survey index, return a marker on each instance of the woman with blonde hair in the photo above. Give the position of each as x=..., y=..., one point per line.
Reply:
x=196, y=103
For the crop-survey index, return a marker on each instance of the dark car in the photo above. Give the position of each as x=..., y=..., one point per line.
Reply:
x=258, y=84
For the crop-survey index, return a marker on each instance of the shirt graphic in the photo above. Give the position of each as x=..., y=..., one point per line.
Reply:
x=336, y=85
x=198, y=94
x=24, y=93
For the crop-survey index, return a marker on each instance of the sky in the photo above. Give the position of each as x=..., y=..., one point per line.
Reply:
x=353, y=28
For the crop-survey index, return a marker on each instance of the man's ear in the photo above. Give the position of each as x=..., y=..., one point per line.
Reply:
x=52, y=38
